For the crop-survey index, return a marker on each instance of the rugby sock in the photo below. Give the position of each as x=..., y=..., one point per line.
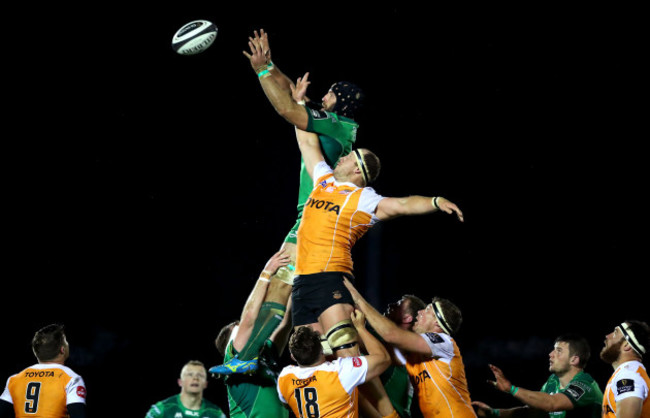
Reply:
x=268, y=319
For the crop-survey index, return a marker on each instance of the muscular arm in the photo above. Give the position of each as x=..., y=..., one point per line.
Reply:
x=392, y=207
x=544, y=401
x=283, y=103
x=309, y=145
x=535, y=399
x=629, y=408
x=378, y=357
x=387, y=329
x=256, y=298
x=277, y=87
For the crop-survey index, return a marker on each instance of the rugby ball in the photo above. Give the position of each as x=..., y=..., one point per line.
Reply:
x=194, y=37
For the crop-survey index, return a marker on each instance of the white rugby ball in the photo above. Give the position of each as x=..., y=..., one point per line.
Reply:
x=194, y=37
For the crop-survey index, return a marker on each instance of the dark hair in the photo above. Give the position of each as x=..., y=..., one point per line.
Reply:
x=416, y=304
x=373, y=165
x=578, y=346
x=47, y=342
x=641, y=331
x=224, y=336
x=305, y=346
x=453, y=316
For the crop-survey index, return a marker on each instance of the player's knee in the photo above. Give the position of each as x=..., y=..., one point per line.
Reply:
x=342, y=335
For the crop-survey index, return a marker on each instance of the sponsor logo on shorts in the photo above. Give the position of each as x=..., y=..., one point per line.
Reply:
x=337, y=294
x=624, y=386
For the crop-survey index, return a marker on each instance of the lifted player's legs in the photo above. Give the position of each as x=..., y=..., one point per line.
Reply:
x=270, y=316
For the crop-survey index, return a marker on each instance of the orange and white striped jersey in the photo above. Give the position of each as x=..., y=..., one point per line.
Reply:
x=630, y=379
x=328, y=390
x=44, y=390
x=335, y=216
x=439, y=380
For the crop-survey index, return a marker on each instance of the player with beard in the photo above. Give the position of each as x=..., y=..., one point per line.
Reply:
x=569, y=392
x=626, y=393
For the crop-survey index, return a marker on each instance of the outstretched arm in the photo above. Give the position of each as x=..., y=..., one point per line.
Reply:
x=275, y=84
x=256, y=298
x=534, y=399
x=392, y=207
x=309, y=145
x=387, y=329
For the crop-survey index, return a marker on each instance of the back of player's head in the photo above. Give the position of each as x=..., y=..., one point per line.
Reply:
x=48, y=341
x=578, y=346
x=349, y=98
x=371, y=164
x=305, y=346
x=449, y=316
x=224, y=336
x=637, y=334
x=415, y=304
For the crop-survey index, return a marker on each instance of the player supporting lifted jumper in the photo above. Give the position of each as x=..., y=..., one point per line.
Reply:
x=334, y=123
x=318, y=388
x=433, y=359
x=256, y=395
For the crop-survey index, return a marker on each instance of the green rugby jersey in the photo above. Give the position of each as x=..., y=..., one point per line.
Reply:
x=254, y=396
x=173, y=408
x=584, y=393
x=398, y=387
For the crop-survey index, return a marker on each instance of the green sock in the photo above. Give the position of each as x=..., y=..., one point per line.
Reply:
x=268, y=319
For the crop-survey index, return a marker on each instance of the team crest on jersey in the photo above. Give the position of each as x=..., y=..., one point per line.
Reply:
x=81, y=392
x=356, y=362
x=323, y=183
x=624, y=386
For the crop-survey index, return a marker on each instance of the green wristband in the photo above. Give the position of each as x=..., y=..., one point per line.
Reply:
x=513, y=390
x=495, y=412
x=263, y=73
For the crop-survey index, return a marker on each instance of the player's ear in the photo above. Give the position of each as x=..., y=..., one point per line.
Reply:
x=574, y=360
x=180, y=382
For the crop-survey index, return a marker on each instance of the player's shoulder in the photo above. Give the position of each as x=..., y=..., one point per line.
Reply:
x=631, y=369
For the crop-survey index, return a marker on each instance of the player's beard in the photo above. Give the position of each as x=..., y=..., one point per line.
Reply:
x=610, y=354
